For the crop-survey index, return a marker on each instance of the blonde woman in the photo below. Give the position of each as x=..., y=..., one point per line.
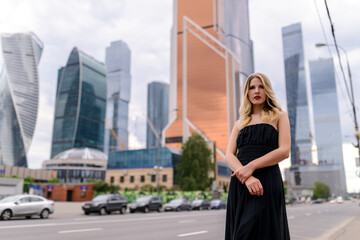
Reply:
x=259, y=140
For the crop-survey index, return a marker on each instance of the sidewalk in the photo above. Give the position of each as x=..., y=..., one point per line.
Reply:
x=350, y=230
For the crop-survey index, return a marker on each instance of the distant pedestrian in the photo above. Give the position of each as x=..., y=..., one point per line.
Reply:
x=260, y=139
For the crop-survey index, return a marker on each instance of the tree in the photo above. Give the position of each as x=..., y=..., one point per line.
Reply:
x=28, y=181
x=195, y=165
x=53, y=180
x=321, y=190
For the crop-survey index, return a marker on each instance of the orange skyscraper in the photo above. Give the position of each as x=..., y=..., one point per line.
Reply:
x=211, y=56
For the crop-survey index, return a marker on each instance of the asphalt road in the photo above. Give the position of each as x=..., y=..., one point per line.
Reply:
x=306, y=221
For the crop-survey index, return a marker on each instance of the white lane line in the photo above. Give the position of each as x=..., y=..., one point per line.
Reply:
x=80, y=230
x=88, y=218
x=105, y=221
x=190, y=234
x=307, y=214
x=291, y=217
x=186, y=221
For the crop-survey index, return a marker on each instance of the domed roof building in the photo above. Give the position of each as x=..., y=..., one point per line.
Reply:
x=78, y=165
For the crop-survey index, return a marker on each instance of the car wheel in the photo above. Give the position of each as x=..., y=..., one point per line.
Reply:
x=123, y=210
x=177, y=209
x=28, y=217
x=159, y=209
x=44, y=213
x=86, y=213
x=146, y=209
x=102, y=211
x=6, y=215
x=132, y=211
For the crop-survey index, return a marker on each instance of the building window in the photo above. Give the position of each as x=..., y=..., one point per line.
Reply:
x=164, y=178
x=153, y=178
x=122, y=179
x=131, y=179
x=142, y=178
x=111, y=179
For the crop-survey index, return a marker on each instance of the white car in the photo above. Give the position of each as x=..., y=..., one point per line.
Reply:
x=339, y=199
x=25, y=205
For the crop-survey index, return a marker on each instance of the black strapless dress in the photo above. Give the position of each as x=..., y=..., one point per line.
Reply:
x=257, y=217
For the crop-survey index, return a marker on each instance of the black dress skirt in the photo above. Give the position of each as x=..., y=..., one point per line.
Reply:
x=250, y=216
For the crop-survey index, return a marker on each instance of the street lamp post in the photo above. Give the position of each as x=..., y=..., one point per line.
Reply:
x=357, y=133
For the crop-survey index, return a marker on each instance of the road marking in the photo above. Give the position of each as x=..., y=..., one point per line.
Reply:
x=291, y=217
x=190, y=234
x=186, y=221
x=107, y=221
x=80, y=230
x=86, y=218
x=307, y=214
x=334, y=230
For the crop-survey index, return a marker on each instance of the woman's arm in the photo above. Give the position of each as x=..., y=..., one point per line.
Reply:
x=273, y=157
x=231, y=159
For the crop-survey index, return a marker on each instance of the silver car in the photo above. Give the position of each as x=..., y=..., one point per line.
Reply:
x=25, y=205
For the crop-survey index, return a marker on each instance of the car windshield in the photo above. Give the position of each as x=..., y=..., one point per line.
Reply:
x=101, y=198
x=197, y=201
x=9, y=199
x=216, y=201
x=177, y=201
x=143, y=199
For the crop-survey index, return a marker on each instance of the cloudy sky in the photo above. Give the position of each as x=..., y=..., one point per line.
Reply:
x=145, y=25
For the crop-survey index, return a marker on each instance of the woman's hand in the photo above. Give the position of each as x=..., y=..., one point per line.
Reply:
x=243, y=173
x=254, y=186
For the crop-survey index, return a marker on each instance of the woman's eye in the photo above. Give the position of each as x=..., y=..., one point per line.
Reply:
x=252, y=87
x=261, y=86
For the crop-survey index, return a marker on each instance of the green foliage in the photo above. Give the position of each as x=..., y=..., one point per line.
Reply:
x=2, y=175
x=103, y=187
x=148, y=188
x=27, y=182
x=321, y=190
x=114, y=188
x=195, y=165
x=14, y=176
x=29, y=179
x=53, y=180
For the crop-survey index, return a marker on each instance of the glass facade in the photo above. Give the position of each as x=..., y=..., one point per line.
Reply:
x=157, y=110
x=19, y=96
x=296, y=95
x=80, y=104
x=207, y=56
x=118, y=57
x=326, y=116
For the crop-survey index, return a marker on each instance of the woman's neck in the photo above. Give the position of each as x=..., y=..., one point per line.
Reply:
x=257, y=109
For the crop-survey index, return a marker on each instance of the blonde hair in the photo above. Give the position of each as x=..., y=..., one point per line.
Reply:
x=272, y=106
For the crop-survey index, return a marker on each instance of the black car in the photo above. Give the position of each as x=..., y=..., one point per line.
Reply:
x=178, y=205
x=200, y=204
x=105, y=204
x=146, y=204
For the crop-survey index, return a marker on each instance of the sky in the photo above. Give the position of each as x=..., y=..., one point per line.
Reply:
x=145, y=26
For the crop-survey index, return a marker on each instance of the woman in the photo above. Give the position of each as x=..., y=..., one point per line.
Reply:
x=259, y=140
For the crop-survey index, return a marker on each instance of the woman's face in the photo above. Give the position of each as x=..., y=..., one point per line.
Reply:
x=256, y=92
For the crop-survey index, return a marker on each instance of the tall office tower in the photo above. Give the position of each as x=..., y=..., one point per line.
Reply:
x=207, y=42
x=326, y=117
x=80, y=104
x=297, y=103
x=118, y=56
x=157, y=111
x=19, y=96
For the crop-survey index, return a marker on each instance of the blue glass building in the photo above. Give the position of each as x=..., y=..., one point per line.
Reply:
x=19, y=96
x=296, y=95
x=118, y=57
x=326, y=117
x=80, y=104
x=157, y=110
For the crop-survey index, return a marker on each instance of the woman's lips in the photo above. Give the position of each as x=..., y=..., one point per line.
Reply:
x=257, y=97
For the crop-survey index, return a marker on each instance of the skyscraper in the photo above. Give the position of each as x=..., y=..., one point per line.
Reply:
x=157, y=110
x=211, y=56
x=80, y=104
x=297, y=103
x=326, y=117
x=118, y=59
x=19, y=96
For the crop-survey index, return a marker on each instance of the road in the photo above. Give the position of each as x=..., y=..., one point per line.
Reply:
x=306, y=221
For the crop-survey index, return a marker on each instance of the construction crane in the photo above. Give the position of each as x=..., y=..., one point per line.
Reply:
x=122, y=147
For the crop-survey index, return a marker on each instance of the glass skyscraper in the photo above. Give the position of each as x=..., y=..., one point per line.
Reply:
x=118, y=59
x=326, y=117
x=19, y=96
x=157, y=110
x=296, y=95
x=80, y=104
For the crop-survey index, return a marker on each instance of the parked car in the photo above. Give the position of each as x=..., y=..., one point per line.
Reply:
x=319, y=200
x=26, y=206
x=178, y=205
x=146, y=204
x=105, y=204
x=218, y=204
x=200, y=204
